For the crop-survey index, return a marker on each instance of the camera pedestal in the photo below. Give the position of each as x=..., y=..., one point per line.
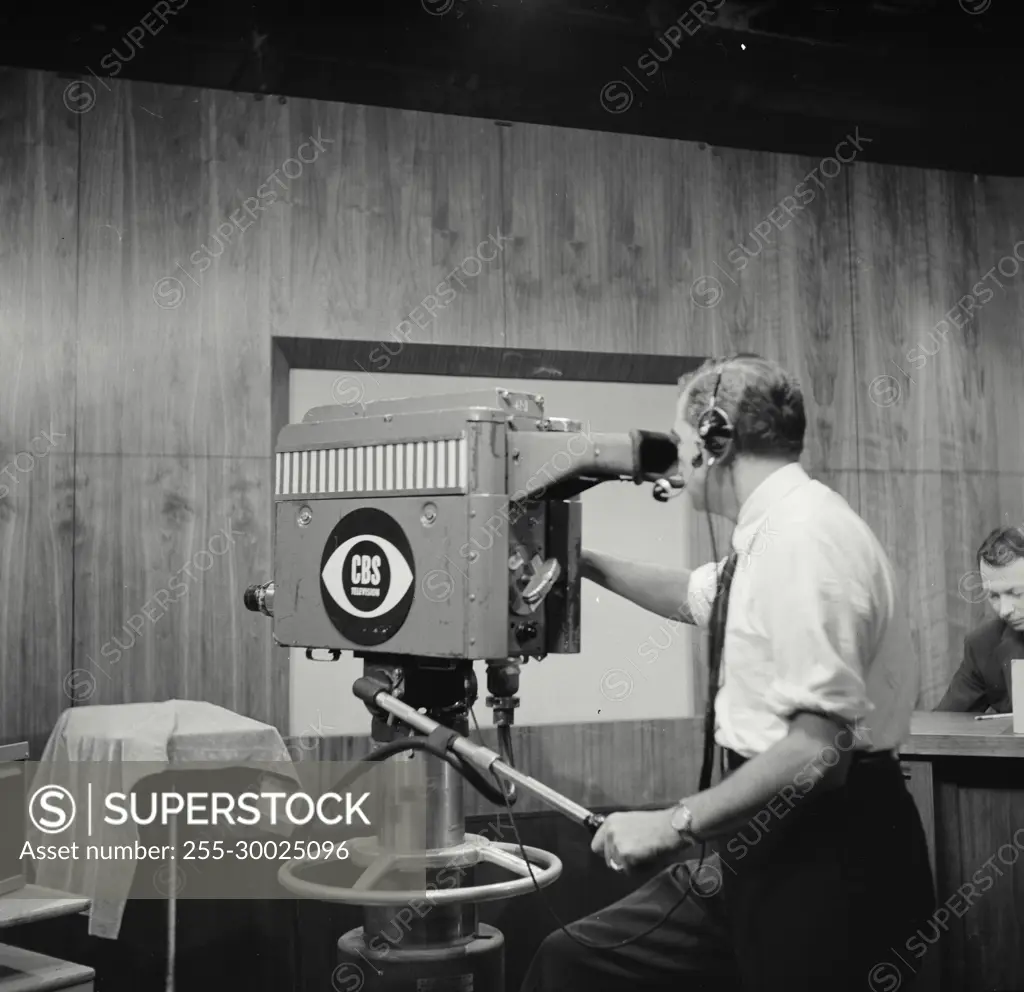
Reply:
x=427, y=938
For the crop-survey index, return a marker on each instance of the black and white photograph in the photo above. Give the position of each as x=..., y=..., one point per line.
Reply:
x=511, y=496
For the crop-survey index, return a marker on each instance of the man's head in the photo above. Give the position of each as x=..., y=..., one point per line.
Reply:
x=764, y=406
x=1001, y=562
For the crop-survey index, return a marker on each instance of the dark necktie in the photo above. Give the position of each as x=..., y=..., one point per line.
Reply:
x=716, y=647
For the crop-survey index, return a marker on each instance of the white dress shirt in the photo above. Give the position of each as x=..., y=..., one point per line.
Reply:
x=814, y=621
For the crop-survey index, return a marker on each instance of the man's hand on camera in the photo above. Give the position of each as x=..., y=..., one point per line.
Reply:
x=627, y=840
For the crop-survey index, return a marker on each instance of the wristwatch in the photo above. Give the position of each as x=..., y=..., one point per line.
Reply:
x=681, y=821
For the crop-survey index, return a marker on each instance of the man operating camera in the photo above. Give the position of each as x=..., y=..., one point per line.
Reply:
x=815, y=863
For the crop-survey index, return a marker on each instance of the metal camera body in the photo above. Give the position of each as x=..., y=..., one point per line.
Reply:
x=443, y=527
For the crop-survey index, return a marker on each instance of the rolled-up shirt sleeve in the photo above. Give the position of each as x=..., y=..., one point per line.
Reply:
x=700, y=593
x=823, y=627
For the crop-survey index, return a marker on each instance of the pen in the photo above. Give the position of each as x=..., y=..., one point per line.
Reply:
x=992, y=716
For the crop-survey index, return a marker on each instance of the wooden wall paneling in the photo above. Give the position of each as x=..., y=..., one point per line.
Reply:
x=169, y=361
x=923, y=399
x=38, y=203
x=889, y=254
x=244, y=142
x=36, y=538
x=926, y=522
x=846, y=482
x=394, y=207
x=940, y=400
x=1011, y=501
x=950, y=872
x=990, y=814
x=777, y=249
x=606, y=230
x=956, y=430
x=174, y=374
x=889, y=499
x=263, y=164
x=1000, y=321
x=165, y=550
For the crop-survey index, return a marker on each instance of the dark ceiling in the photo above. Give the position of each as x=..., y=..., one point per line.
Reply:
x=930, y=82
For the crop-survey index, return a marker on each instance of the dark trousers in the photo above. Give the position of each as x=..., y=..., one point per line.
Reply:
x=821, y=893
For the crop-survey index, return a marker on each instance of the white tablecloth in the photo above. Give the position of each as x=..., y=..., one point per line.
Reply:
x=130, y=742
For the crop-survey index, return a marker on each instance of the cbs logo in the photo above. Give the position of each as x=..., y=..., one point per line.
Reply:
x=367, y=575
x=366, y=570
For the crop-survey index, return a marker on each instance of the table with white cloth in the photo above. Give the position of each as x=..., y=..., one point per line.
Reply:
x=123, y=744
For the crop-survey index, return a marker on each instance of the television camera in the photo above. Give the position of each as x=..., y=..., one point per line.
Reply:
x=423, y=534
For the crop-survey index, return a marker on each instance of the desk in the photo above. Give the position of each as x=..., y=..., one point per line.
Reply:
x=967, y=779
x=960, y=735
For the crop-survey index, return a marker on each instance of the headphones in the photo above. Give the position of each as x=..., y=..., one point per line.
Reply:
x=715, y=427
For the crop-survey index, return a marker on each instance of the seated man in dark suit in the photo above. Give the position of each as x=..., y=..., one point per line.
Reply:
x=983, y=678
